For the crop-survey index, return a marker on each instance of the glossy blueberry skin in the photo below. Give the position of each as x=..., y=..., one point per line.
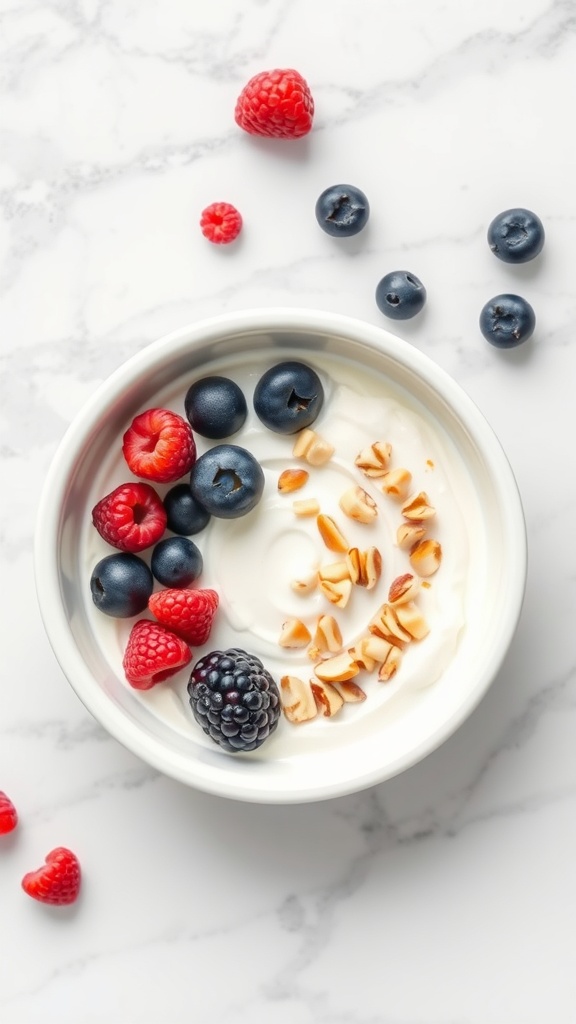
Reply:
x=176, y=562
x=121, y=585
x=516, y=236
x=342, y=210
x=400, y=295
x=288, y=397
x=184, y=515
x=215, y=407
x=507, y=320
x=227, y=480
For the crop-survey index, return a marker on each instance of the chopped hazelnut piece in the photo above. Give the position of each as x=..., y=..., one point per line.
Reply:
x=396, y=482
x=297, y=699
x=425, y=557
x=331, y=534
x=292, y=480
x=315, y=450
x=294, y=634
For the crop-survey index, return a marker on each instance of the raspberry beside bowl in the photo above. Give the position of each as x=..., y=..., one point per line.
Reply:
x=298, y=763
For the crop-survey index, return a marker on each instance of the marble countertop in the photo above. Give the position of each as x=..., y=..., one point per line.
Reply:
x=447, y=895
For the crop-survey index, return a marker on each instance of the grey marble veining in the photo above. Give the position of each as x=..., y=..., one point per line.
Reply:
x=447, y=895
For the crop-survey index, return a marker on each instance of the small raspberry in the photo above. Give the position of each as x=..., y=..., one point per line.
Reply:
x=189, y=613
x=153, y=653
x=131, y=518
x=8, y=815
x=57, y=881
x=276, y=103
x=220, y=223
x=159, y=446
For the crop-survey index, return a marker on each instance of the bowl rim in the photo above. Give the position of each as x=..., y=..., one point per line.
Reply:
x=47, y=531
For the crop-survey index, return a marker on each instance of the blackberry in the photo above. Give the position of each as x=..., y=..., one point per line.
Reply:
x=234, y=698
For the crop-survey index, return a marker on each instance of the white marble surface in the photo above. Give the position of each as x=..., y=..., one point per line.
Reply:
x=446, y=896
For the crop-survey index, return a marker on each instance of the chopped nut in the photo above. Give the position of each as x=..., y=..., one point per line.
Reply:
x=425, y=557
x=373, y=461
x=360, y=656
x=313, y=448
x=328, y=700
x=337, y=669
x=418, y=507
x=331, y=534
x=306, y=584
x=395, y=483
x=403, y=588
x=306, y=507
x=350, y=692
x=328, y=636
x=364, y=567
x=294, y=634
x=376, y=648
x=385, y=624
x=334, y=572
x=297, y=699
x=389, y=667
x=412, y=620
x=292, y=480
x=358, y=505
x=337, y=593
x=314, y=653
x=408, y=534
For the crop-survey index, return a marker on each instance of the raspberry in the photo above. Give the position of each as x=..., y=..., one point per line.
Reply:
x=276, y=103
x=159, y=446
x=8, y=815
x=57, y=881
x=153, y=653
x=234, y=698
x=220, y=223
x=189, y=613
x=131, y=517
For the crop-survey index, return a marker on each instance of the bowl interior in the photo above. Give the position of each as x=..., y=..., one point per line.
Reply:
x=399, y=724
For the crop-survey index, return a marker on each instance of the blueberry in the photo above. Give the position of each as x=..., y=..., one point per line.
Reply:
x=215, y=407
x=227, y=481
x=121, y=585
x=507, y=321
x=516, y=236
x=342, y=210
x=184, y=514
x=288, y=397
x=400, y=295
x=176, y=562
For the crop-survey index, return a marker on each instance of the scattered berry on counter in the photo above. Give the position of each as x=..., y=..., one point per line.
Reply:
x=288, y=397
x=516, y=236
x=121, y=585
x=220, y=223
x=176, y=562
x=131, y=518
x=227, y=480
x=184, y=514
x=400, y=295
x=58, y=880
x=234, y=698
x=215, y=407
x=153, y=653
x=159, y=446
x=342, y=210
x=277, y=104
x=8, y=815
x=507, y=320
x=188, y=613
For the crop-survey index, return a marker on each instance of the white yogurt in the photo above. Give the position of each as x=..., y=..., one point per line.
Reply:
x=251, y=561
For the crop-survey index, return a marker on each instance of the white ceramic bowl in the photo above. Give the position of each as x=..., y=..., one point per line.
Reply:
x=397, y=725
